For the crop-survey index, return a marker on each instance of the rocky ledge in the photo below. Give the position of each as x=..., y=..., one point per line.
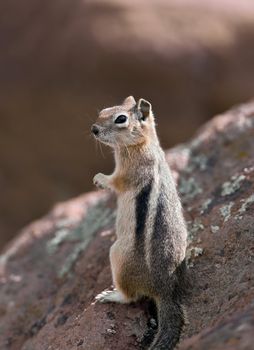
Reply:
x=50, y=274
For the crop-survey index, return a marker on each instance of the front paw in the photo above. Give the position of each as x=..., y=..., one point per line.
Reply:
x=100, y=181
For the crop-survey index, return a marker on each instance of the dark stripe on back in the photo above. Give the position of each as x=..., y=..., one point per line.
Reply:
x=142, y=204
x=162, y=253
x=160, y=260
x=160, y=222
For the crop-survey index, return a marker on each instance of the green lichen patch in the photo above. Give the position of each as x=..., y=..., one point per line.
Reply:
x=189, y=188
x=233, y=185
x=193, y=228
x=246, y=204
x=205, y=205
x=193, y=253
x=198, y=162
x=60, y=236
x=197, y=251
x=97, y=217
x=214, y=229
x=226, y=211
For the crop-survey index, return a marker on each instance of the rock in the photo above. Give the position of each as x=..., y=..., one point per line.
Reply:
x=63, y=60
x=234, y=333
x=52, y=271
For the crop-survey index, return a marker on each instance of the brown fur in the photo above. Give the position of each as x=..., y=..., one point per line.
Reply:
x=151, y=233
x=120, y=183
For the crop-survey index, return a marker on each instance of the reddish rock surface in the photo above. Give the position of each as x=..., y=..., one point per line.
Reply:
x=51, y=273
x=62, y=60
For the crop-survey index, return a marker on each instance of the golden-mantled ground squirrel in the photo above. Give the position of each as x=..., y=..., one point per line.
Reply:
x=148, y=257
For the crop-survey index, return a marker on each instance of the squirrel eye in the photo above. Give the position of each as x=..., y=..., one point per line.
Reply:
x=121, y=119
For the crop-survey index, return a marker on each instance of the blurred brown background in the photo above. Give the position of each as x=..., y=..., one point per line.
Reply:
x=63, y=60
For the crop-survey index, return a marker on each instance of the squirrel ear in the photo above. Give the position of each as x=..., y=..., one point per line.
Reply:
x=130, y=101
x=145, y=108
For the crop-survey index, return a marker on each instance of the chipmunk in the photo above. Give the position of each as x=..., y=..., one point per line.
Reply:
x=148, y=256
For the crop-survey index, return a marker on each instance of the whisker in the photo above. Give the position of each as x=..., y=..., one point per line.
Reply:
x=101, y=150
x=86, y=134
x=117, y=144
x=96, y=146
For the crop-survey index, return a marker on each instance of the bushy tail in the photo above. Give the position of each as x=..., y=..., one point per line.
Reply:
x=171, y=316
x=171, y=321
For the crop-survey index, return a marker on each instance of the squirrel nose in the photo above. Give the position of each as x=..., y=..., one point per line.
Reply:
x=95, y=130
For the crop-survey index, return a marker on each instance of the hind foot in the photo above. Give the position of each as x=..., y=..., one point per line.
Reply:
x=111, y=296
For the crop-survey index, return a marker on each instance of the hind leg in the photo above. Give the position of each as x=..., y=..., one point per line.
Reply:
x=116, y=295
x=121, y=294
x=112, y=296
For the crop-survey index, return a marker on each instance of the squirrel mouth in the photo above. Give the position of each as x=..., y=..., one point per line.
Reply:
x=101, y=138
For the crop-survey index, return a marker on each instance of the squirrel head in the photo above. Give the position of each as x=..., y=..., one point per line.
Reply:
x=130, y=124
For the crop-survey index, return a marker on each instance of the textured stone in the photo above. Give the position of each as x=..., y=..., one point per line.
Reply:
x=50, y=274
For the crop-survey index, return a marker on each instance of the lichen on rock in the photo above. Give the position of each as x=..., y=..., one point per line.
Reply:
x=194, y=227
x=55, y=267
x=233, y=185
x=246, y=204
x=189, y=188
x=214, y=229
x=97, y=217
x=225, y=211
